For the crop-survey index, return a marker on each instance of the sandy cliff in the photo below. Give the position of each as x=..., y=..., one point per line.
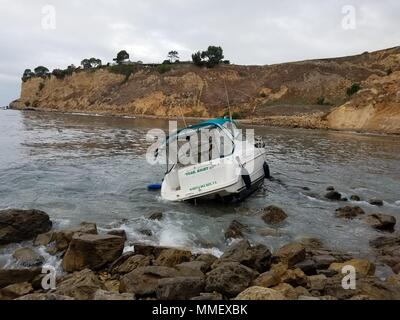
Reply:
x=282, y=94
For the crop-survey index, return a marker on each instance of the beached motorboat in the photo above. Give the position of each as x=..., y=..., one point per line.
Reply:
x=212, y=160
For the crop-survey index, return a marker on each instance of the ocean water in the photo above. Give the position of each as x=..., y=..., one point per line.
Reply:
x=86, y=168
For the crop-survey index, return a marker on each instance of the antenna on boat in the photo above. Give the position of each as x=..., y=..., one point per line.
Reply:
x=229, y=107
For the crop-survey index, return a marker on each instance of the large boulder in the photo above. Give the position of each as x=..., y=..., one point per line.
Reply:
x=92, y=251
x=349, y=212
x=230, y=279
x=255, y=257
x=27, y=257
x=11, y=276
x=273, y=215
x=180, y=288
x=129, y=262
x=143, y=281
x=16, y=290
x=18, y=225
x=291, y=253
x=376, y=202
x=381, y=221
x=235, y=230
x=333, y=195
x=63, y=238
x=172, y=257
x=267, y=279
x=363, y=267
x=260, y=293
x=80, y=285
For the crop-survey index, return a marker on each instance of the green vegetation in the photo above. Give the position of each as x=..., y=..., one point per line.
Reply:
x=163, y=68
x=91, y=63
x=125, y=69
x=321, y=101
x=41, y=86
x=173, y=56
x=27, y=75
x=209, y=58
x=41, y=71
x=121, y=57
x=355, y=87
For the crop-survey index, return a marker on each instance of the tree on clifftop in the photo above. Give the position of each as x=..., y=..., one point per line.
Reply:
x=211, y=57
x=27, y=75
x=90, y=63
x=173, y=56
x=121, y=56
x=41, y=71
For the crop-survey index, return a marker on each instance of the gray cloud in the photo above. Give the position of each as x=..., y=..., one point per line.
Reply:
x=251, y=32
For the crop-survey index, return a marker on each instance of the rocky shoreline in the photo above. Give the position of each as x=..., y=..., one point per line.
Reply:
x=95, y=266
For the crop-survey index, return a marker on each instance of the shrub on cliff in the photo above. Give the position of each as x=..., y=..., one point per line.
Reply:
x=355, y=87
x=58, y=73
x=121, y=57
x=27, y=75
x=210, y=58
x=124, y=69
x=41, y=71
x=164, y=68
x=173, y=56
x=91, y=63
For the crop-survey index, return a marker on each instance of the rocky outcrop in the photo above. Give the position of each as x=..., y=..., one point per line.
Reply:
x=381, y=221
x=27, y=257
x=273, y=215
x=235, y=230
x=349, y=212
x=17, y=225
x=92, y=251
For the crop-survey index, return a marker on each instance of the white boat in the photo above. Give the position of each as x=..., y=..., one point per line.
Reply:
x=212, y=160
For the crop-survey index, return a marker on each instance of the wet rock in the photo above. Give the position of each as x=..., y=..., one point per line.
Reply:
x=146, y=232
x=44, y=296
x=355, y=198
x=143, y=281
x=308, y=267
x=306, y=188
x=310, y=242
x=333, y=195
x=172, y=257
x=208, y=296
x=279, y=268
x=180, y=288
x=194, y=265
x=363, y=267
x=107, y=295
x=349, y=212
x=43, y=239
x=208, y=259
x=16, y=290
x=381, y=221
x=291, y=254
x=396, y=268
x=269, y=232
x=267, y=279
x=230, y=278
x=235, y=230
x=149, y=250
x=330, y=188
x=260, y=293
x=11, y=276
x=80, y=285
x=26, y=257
x=386, y=241
x=18, y=225
x=376, y=202
x=92, y=251
x=294, y=277
x=257, y=257
x=317, y=282
x=323, y=261
x=156, y=216
x=129, y=262
x=64, y=237
x=273, y=215
x=119, y=233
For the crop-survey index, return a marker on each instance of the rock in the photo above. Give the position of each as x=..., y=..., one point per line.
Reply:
x=201, y=266
x=287, y=290
x=107, y=295
x=308, y=267
x=208, y=296
x=80, y=285
x=279, y=268
x=363, y=267
x=146, y=232
x=92, y=251
x=156, y=216
x=44, y=296
x=396, y=268
x=119, y=233
x=129, y=262
x=394, y=280
x=310, y=242
x=230, y=278
x=269, y=232
x=43, y=239
x=235, y=230
x=330, y=188
x=16, y=290
x=17, y=225
x=273, y=215
x=143, y=281
x=381, y=221
x=172, y=257
x=11, y=276
x=310, y=298
x=267, y=279
x=294, y=277
x=260, y=293
x=64, y=237
x=355, y=198
x=208, y=259
x=317, y=282
x=291, y=254
x=257, y=257
x=333, y=195
x=26, y=257
x=349, y=212
x=376, y=202
x=180, y=288
x=323, y=261
x=149, y=250
x=386, y=242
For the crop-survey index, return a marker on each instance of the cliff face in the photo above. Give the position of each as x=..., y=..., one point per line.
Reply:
x=254, y=91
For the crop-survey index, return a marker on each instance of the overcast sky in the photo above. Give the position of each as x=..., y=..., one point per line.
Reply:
x=250, y=32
